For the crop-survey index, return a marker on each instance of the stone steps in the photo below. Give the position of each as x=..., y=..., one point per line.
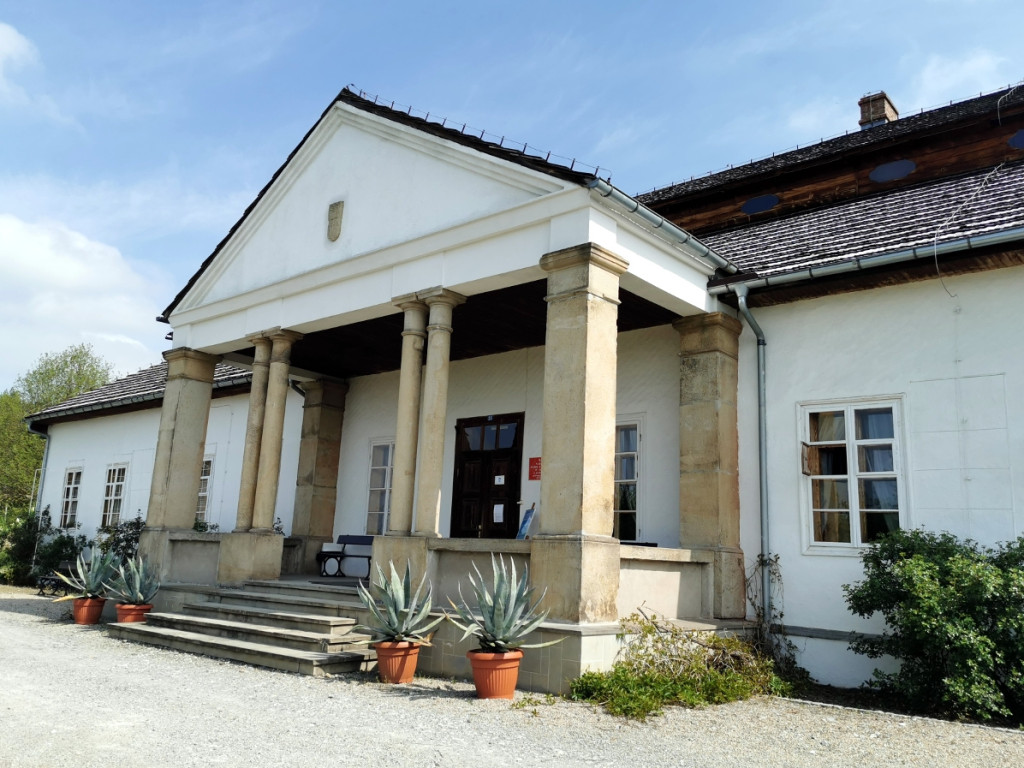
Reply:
x=296, y=639
x=317, y=664
x=334, y=626
x=294, y=627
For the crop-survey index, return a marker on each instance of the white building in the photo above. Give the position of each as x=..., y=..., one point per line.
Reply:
x=587, y=356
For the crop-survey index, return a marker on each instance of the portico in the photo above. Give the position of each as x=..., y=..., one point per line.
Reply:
x=512, y=292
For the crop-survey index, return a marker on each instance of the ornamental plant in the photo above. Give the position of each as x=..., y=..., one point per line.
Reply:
x=90, y=579
x=954, y=614
x=401, y=615
x=134, y=582
x=505, y=610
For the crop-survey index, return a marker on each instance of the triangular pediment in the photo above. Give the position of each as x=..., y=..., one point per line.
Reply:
x=395, y=183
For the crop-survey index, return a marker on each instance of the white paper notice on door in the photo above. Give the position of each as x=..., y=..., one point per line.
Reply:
x=499, y=479
x=499, y=513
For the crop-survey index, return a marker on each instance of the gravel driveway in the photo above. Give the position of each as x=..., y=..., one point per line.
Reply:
x=71, y=696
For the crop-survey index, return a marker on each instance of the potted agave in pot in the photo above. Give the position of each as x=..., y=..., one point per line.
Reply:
x=505, y=614
x=399, y=622
x=89, y=585
x=134, y=584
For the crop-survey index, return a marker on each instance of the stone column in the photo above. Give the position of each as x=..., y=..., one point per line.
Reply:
x=709, y=496
x=403, y=474
x=434, y=409
x=181, y=439
x=273, y=430
x=317, y=481
x=574, y=554
x=253, y=433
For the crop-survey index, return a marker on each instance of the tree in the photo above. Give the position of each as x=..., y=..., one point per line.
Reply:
x=56, y=377
x=59, y=376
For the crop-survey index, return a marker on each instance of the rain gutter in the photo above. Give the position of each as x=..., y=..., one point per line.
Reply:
x=879, y=260
x=663, y=226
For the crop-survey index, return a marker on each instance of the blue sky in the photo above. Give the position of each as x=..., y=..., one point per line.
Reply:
x=133, y=135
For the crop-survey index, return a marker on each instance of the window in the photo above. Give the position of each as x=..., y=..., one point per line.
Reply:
x=382, y=456
x=113, y=495
x=852, y=461
x=202, y=504
x=627, y=460
x=69, y=508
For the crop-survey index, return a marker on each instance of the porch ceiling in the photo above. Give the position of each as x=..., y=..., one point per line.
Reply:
x=488, y=323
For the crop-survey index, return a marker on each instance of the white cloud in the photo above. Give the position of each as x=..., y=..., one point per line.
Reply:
x=16, y=51
x=154, y=206
x=58, y=288
x=945, y=77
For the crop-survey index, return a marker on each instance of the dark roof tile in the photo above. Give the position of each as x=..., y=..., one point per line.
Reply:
x=992, y=200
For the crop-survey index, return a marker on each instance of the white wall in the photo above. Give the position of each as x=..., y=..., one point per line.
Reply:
x=130, y=438
x=648, y=388
x=953, y=363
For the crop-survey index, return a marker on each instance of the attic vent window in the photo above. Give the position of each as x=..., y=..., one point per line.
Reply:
x=1017, y=140
x=898, y=169
x=760, y=204
x=334, y=212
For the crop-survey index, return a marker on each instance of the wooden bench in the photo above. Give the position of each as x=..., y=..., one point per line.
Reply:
x=336, y=557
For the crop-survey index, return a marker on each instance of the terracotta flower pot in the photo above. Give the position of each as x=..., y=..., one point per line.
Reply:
x=495, y=674
x=87, y=610
x=130, y=612
x=396, y=662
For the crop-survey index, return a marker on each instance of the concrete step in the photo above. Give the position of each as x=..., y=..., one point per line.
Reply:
x=258, y=633
x=334, y=626
x=317, y=664
x=341, y=606
x=323, y=589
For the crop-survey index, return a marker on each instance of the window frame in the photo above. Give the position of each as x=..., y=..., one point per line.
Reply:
x=637, y=421
x=203, y=515
x=386, y=488
x=849, y=407
x=71, y=500
x=110, y=519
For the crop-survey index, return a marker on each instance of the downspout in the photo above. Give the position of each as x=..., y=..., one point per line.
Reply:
x=762, y=450
x=39, y=491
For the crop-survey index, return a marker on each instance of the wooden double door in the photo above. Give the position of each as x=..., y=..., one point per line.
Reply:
x=488, y=460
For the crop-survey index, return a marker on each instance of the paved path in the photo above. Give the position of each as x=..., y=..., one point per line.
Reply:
x=71, y=696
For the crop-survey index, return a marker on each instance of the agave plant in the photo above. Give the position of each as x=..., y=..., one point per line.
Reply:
x=134, y=582
x=504, y=613
x=402, y=615
x=91, y=578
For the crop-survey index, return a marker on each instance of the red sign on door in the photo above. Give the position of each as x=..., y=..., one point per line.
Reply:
x=535, y=468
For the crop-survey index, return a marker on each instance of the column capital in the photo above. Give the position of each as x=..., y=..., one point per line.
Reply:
x=710, y=332
x=415, y=312
x=439, y=295
x=187, y=363
x=583, y=254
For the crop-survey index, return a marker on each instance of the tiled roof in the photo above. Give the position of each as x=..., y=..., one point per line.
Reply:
x=885, y=223
x=523, y=157
x=146, y=385
x=886, y=133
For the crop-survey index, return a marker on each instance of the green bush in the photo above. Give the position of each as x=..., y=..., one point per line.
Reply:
x=662, y=664
x=122, y=539
x=954, y=614
x=18, y=529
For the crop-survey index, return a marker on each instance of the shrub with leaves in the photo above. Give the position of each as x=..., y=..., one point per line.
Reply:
x=954, y=614
x=662, y=664
x=122, y=539
x=18, y=531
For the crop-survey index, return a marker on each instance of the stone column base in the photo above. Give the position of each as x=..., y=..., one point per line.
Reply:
x=249, y=555
x=309, y=547
x=155, y=546
x=730, y=598
x=581, y=575
x=402, y=549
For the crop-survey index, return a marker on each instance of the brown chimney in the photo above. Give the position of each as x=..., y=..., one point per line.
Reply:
x=876, y=109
